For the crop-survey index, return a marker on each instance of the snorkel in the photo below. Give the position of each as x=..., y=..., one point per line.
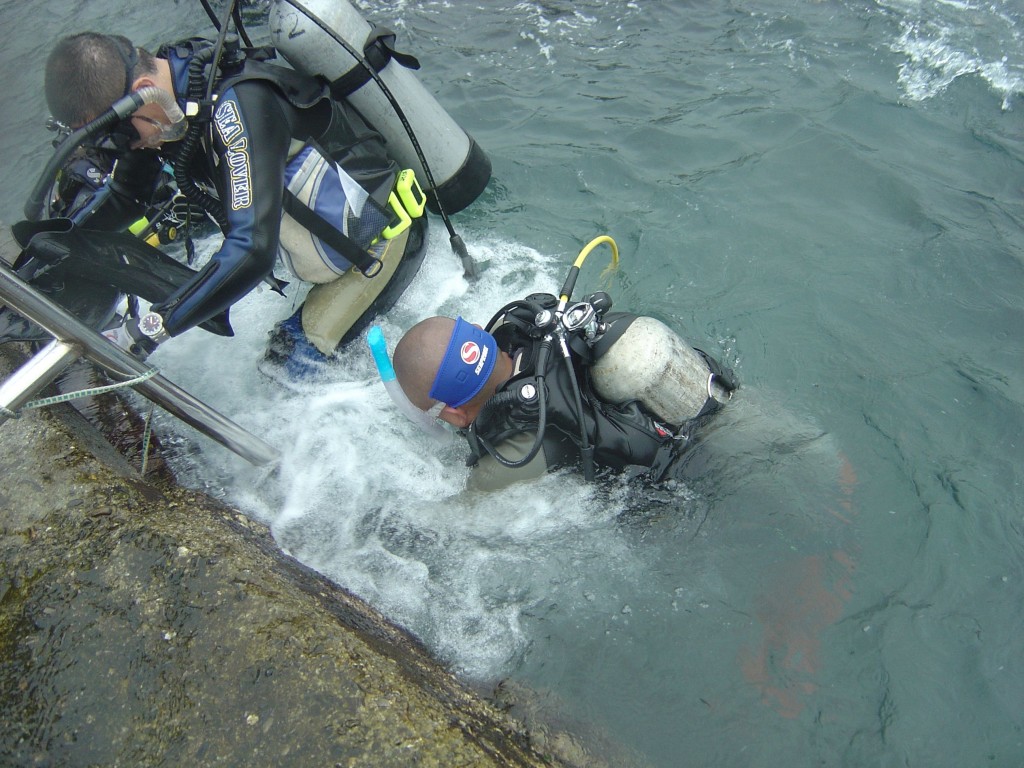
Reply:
x=120, y=110
x=422, y=419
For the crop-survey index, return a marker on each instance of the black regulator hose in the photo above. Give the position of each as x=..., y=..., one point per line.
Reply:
x=119, y=110
x=586, y=449
x=507, y=398
x=503, y=399
x=190, y=145
x=200, y=91
x=533, y=307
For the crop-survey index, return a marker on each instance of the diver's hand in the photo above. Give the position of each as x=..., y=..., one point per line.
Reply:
x=147, y=333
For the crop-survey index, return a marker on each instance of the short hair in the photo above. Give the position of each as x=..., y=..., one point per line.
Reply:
x=418, y=356
x=88, y=72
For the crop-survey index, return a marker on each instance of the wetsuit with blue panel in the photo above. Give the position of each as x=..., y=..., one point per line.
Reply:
x=264, y=114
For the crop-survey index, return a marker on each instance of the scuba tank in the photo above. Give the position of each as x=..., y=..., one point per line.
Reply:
x=324, y=37
x=650, y=363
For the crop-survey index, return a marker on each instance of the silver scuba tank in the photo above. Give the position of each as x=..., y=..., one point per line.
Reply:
x=460, y=168
x=650, y=363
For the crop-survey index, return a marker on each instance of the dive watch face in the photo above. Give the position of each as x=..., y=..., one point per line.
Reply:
x=151, y=324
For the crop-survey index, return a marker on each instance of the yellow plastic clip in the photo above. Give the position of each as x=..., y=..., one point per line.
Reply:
x=410, y=193
x=406, y=201
x=404, y=220
x=138, y=225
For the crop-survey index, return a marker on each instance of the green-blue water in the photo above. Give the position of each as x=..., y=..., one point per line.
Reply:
x=827, y=196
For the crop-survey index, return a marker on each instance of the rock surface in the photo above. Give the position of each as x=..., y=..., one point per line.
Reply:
x=144, y=624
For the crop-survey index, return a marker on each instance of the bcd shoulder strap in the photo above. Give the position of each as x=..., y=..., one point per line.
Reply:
x=320, y=227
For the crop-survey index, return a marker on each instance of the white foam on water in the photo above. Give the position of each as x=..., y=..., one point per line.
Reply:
x=364, y=497
x=945, y=40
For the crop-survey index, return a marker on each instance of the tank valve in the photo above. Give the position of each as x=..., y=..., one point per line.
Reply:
x=581, y=317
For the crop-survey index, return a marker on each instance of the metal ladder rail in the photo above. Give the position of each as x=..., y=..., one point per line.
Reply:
x=74, y=339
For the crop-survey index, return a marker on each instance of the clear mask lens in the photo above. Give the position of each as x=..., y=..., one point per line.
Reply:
x=164, y=132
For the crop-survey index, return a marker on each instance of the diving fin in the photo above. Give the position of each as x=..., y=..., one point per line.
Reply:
x=116, y=259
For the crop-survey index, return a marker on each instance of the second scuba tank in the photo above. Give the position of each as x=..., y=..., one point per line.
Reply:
x=460, y=168
x=650, y=363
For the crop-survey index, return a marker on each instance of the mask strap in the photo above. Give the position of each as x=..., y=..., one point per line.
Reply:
x=130, y=60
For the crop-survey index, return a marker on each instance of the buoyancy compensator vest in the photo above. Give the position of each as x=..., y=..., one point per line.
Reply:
x=339, y=200
x=564, y=393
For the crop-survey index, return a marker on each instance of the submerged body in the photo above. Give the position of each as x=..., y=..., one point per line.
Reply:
x=527, y=392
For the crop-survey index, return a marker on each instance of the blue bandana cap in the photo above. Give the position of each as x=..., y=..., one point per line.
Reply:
x=466, y=366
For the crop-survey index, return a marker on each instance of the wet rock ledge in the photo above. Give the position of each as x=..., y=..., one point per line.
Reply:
x=143, y=624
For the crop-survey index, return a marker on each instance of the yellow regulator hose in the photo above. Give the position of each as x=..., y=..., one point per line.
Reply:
x=570, y=281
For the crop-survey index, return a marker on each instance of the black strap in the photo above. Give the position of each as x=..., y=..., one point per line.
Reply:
x=320, y=227
x=378, y=51
x=724, y=376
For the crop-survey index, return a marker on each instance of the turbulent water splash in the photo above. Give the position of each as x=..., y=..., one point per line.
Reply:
x=945, y=41
x=827, y=192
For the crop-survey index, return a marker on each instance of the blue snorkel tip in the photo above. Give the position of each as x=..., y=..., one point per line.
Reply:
x=379, y=350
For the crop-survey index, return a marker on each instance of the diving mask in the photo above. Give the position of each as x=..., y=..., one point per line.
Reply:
x=125, y=133
x=172, y=131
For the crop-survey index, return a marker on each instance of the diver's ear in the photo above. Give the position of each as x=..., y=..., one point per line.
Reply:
x=142, y=82
x=457, y=417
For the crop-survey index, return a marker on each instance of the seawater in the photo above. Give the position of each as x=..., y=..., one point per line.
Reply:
x=824, y=195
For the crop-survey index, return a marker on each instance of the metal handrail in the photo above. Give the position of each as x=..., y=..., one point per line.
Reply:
x=73, y=339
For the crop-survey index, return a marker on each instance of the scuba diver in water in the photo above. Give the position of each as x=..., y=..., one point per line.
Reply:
x=549, y=385
x=485, y=384
x=278, y=157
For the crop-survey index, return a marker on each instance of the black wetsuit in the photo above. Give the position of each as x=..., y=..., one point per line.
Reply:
x=622, y=435
x=259, y=113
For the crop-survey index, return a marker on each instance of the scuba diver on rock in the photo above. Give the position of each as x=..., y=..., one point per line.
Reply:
x=550, y=384
x=257, y=118
x=278, y=158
